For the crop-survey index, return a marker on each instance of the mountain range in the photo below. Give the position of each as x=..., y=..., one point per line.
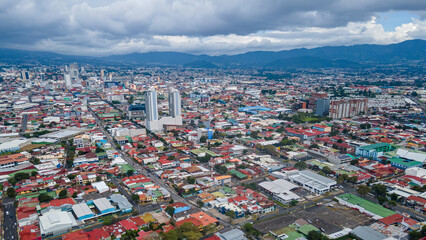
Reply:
x=411, y=52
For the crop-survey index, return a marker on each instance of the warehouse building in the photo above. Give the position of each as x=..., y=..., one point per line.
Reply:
x=281, y=190
x=104, y=206
x=82, y=211
x=56, y=222
x=312, y=181
x=124, y=206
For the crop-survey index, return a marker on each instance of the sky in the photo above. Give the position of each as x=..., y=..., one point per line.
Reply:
x=214, y=27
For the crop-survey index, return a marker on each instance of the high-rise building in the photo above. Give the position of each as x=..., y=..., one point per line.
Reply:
x=322, y=107
x=74, y=72
x=314, y=97
x=348, y=107
x=67, y=79
x=151, y=105
x=152, y=121
x=25, y=75
x=341, y=108
x=174, y=102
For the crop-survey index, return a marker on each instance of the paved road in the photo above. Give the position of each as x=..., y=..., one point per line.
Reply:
x=24, y=123
x=9, y=224
x=139, y=168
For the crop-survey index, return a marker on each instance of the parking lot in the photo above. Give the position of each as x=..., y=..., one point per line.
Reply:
x=330, y=219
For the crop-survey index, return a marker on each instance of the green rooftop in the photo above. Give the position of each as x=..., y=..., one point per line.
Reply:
x=237, y=174
x=29, y=171
x=405, y=162
x=203, y=150
x=290, y=232
x=218, y=194
x=305, y=229
x=125, y=168
x=34, y=195
x=367, y=205
x=381, y=147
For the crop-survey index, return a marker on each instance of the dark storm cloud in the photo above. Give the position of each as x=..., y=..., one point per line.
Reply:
x=99, y=25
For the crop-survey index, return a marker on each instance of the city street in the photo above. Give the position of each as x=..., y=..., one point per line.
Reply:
x=142, y=170
x=9, y=223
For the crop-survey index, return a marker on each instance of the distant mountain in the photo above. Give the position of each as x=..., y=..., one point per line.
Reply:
x=200, y=64
x=404, y=53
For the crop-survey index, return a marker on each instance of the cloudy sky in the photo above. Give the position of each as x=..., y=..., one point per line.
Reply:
x=105, y=27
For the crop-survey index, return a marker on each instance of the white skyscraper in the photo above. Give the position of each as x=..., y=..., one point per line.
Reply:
x=74, y=72
x=151, y=105
x=174, y=102
x=152, y=121
x=67, y=78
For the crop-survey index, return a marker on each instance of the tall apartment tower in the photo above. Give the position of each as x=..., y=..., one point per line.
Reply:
x=74, y=72
x=151, y=105
x=67, y=79
x=174, y=102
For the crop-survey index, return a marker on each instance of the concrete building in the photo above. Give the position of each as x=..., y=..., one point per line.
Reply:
x=151, y=105
x=174, y=103
x=341, y=108
x=152, y=121
x=82, y=211
x=280, y=190
x=124, y=206
x=322, y=107
x=347, y=107
x=373, y=151
x=136, y=111
x=104, y=206
x=234, y=234
x=312, y=181
x=56, y=222
x=367, y=233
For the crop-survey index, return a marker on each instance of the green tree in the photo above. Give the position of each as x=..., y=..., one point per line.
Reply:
x=170, y=210
x=98, y=178
x=231, y=214
x=130, y=172
x=314, y=145
x=200, y=203
x=12, y=181
x=10, y=192
x=353, y=179
x=99, y=150
x=203, y=139
x=300, y=165
x=394, y=197
x=209, y=229
x=170, y=235
x=314, y=235
x=63, y=194
x=363, y=190
x=254, y=134
x=135, y=197
x=190, y=180
x=379, y=189
x=327, y=170
x=382, y=199
x=44, y=198
x=340, y=179
x=190, y=231
x=34, y=173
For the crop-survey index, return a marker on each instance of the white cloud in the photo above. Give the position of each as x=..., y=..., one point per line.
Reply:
x=103, y=27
